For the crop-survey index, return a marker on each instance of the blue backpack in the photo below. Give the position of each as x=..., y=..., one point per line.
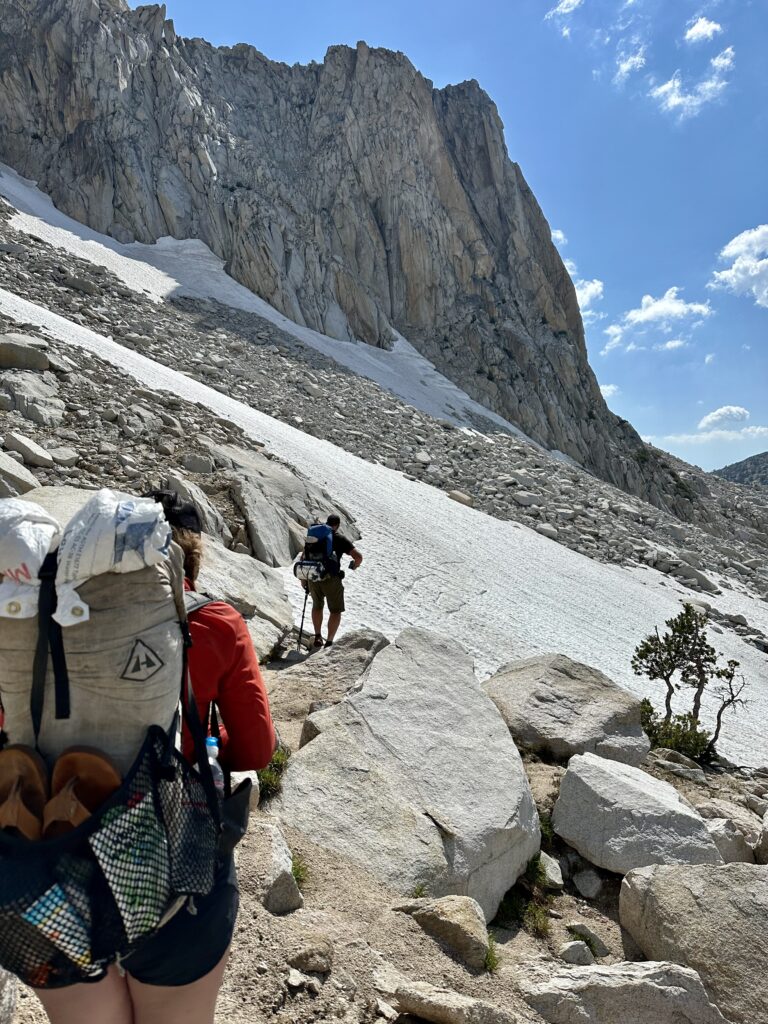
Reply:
x=318, y=560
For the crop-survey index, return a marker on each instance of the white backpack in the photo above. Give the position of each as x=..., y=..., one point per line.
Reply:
x=116, y=662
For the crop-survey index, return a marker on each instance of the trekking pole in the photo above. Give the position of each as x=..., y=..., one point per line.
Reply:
x=303, y=612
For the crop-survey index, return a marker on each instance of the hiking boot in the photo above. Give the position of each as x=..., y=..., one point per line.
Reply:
x=329, y=643
x=318, y=642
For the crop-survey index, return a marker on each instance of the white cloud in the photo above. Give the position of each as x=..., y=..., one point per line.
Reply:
x=706, y=437
x=724, y=61
x=627, y=63
x=674, y=98
x=558, y=237
x=670, y=346
x=609, y=390
x=669, y=307
x=725, y=414
x=564, y=8
x=709, y=358
x=702, y=29
x=588, y=292
x=615, y=334
x=660, y=313
x=748, y=272
x=753, y=242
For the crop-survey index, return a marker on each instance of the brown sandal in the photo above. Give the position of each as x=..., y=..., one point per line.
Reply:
x=23, y=791
x=83, y=778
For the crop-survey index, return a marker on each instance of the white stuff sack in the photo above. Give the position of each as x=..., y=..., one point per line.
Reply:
x=111, y=533
x=27, y=534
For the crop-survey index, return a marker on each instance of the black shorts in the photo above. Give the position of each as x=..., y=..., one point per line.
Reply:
x=191, y=944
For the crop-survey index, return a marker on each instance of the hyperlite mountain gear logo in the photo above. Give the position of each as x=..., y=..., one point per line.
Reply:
x=142, y=663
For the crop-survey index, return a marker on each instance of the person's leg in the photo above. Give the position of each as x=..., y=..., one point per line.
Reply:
x=334, y=618
x=335, y=597
x=174, y=978
x=318, y=602
x=176, y=1004
x=317, y=619
x=105, y=1002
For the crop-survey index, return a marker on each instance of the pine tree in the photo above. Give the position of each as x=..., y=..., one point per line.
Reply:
x=683, y=656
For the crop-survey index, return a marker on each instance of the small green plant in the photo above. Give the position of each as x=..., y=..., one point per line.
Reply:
x=547, y=831
x=527, y=903
x=536, y=920
x=512, y=907
x=271, y=777
x=683, y=657
x=492, y=958
x=681, y=733
x=299, y=869
x=418, y=891
x=586, y=939
x=535, y=875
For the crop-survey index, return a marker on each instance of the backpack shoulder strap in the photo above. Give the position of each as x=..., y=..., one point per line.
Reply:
x=193, y=601
x=49, y=638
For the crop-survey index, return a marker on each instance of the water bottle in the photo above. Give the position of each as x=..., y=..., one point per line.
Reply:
x=212, y=749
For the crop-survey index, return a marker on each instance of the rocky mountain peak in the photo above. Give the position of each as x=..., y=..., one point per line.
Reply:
x=351, y=195
x=752, y=471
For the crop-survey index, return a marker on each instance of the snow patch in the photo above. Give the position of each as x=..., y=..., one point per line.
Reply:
x=188, y=267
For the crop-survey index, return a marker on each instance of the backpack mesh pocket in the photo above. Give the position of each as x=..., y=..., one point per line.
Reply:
x=71, y=906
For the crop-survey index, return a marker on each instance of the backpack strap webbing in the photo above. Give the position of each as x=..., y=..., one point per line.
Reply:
x=194, y=601
x=49, y=638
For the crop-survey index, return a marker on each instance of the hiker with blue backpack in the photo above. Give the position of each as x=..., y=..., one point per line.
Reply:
x=320, y=574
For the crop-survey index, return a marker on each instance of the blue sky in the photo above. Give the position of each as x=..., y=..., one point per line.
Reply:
x=642, y=128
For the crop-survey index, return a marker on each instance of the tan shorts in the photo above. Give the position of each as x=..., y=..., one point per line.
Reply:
x=331, y=589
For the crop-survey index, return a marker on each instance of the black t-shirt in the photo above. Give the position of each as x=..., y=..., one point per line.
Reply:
x=341, y=546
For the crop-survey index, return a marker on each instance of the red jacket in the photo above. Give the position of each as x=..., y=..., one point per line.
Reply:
x=224, y=668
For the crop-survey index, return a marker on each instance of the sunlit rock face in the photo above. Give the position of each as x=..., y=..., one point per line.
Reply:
x=351, y=195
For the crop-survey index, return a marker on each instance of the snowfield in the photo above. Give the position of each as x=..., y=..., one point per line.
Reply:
x=188, y=267
x=500, y=589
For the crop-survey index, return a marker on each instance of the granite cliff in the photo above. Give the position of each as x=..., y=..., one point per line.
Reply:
x=351, y=195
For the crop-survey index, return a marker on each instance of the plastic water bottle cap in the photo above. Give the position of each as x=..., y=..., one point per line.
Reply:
x=212, y=742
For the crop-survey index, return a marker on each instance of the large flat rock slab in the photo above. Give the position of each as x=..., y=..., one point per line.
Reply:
x=559, y=707
x=625, y=993
x=34, y=395
x=323, y=678
x=15, y=478
x=23, y=352
x=619, y=817
x=712, y=919
x=247, y=584
x=415, y=776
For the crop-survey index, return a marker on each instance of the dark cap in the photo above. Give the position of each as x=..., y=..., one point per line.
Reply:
x=182, y=515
